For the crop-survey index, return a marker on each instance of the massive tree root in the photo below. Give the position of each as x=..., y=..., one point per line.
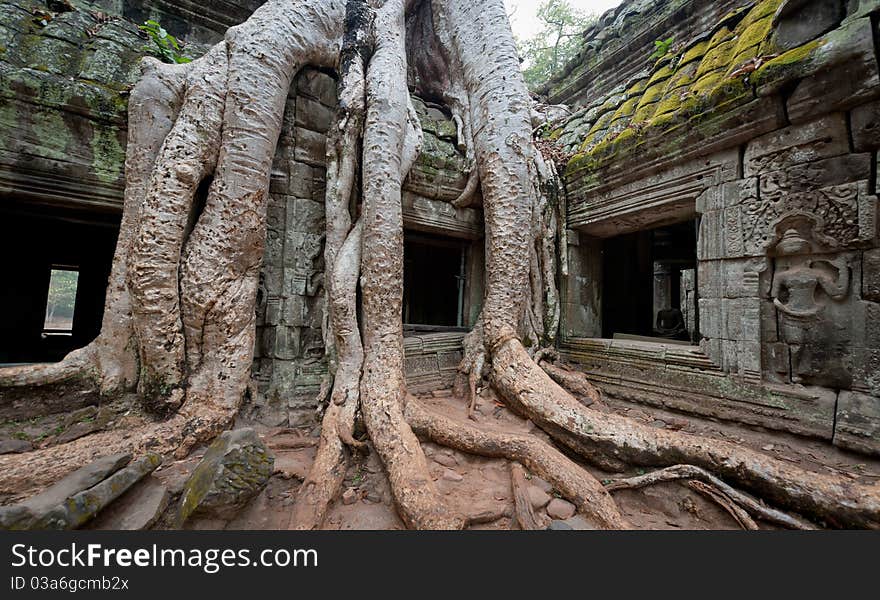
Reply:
x=179, y=321
x=179, y=316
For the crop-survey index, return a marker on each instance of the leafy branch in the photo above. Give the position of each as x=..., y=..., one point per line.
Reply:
x=165, y=46
x=661, y=48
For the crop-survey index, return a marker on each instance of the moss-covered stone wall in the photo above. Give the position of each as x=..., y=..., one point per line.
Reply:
x=64, y=79
x=763, y=131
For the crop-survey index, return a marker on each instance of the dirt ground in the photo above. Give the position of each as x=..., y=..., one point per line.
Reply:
x=472, y=484
x=475, y=484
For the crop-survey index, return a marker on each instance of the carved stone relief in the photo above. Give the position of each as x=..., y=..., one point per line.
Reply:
x=811, y=293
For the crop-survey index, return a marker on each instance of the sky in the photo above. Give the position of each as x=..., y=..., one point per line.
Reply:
x=524, y=21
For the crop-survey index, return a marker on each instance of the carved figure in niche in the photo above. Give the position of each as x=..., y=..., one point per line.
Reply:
x=795, y=290
x=670, y=324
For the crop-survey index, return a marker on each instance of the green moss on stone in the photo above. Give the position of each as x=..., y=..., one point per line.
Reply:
x=694, y=53
x=637, y=89
x=54, y=135
x=787, y=65
x=716, y=59
x=651, y=95
x=626, y=110
x=108, y=155
x=762, y=10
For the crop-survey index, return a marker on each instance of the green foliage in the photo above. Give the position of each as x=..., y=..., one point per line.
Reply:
x=558, y=42
x=662, y=47
x=165, y=46
x=62, y=297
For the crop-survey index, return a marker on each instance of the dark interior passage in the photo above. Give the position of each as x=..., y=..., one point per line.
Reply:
x=79, y=249
x=641, y=287
x=433, y=282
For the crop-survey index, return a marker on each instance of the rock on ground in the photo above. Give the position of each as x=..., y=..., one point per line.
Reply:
x=538, y=497
x=560, y=509
x=26, y=514
x=236, y=468
x=14, y=446
x=84, y=506
x=139, y=508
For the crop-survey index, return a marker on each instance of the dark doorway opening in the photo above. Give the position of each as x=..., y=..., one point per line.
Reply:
x=433, y=283
x=648, y=283
x=54, y=280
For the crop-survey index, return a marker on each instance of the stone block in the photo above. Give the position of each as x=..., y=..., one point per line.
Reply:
x=711, y=318
x=769, y=325
x=750, y=359
x=709, y=200
x=138, y=509
x=730, y=352
x=416, y=366
x=266, y=341
x=83, y=507
x=311, y=147
x=823, y=138
x=742, y=278
x=751, y=320
x=802, y=22
x=287, y=343
x=866, y=324
x=709, y=278
x=273, y=310
x=732, y=312
x=736, y=192
x=292, y=311
x=302, y=179
x=279, y=178
x=733, y=234
x=307, y=216
x=314, y=115
x=868, y=206
x=839, y=207
x=842, y=74
x=871, y=275
x=865, y=122
x=858, y=422
x=234, y=470
x=777, y=360
x=710, y=242
x=861, y=8
x=23, y=516
x=318, y=85
x=866, y=370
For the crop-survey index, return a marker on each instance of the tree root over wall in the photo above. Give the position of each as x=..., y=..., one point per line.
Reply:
x=179, y=320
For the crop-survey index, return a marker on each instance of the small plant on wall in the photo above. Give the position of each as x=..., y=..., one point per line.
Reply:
x=165, y=46
x=662, y=48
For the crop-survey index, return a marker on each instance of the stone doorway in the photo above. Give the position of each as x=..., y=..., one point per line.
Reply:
x=649, y=283
x=46, y=311
x=434, y=283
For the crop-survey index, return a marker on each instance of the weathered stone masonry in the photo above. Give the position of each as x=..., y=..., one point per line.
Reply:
x=62, y=145
x=763, y=127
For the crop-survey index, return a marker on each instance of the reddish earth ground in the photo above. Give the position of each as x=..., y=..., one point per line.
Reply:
x=474, y=484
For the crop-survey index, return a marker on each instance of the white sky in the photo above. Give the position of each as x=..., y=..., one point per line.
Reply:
x=524, y=21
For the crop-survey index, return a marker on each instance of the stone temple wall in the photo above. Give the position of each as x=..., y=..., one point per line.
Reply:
x=764, y=127
x=289, y=355
x=64, y=82
x=616, y=45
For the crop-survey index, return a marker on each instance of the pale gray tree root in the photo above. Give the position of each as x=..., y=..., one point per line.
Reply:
x=179, y=315
x=690, y=472
x=522, y=502
x=503, y=152
x=539, y=457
